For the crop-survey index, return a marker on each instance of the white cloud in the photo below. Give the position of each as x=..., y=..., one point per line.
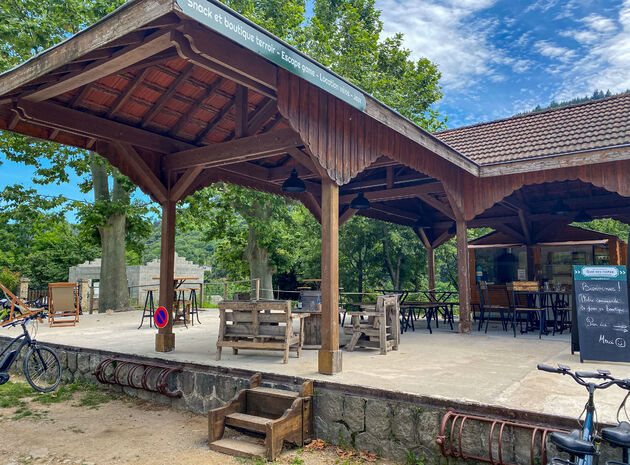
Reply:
x=449, y=33
x=606, y=63
x=599, y=23
x=520, y=66
x=551, y=50
x=541, y=5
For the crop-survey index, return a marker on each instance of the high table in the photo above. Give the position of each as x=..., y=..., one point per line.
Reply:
x=180, y=317
x=540, y=302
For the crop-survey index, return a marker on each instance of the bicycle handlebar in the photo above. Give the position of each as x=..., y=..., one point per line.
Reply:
x=579, y=375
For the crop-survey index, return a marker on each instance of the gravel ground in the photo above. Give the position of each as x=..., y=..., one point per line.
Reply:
x=85, y=426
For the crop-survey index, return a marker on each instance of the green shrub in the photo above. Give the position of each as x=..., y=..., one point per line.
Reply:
x=10, y=280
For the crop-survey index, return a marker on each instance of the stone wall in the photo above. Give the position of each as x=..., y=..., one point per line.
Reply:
x=391, y=424
x=139, y=277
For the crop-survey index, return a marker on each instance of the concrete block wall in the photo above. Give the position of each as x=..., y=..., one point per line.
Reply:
x=393, y=425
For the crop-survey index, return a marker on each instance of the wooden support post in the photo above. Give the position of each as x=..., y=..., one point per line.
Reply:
x=225, y=286
x=329, y=359
x=165, y=339
x=257, y=288
x=431, y=267
x=531, y=267
x=463, y=277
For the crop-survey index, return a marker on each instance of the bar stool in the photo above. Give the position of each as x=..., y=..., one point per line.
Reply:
x=194, y=306
x=149, y=308
x=185, y=305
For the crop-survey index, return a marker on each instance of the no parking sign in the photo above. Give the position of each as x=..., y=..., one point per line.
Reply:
x=160, y=317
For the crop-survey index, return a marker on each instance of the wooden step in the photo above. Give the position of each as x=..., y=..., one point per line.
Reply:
x=239, y=448
x=276, y=392
x=248, y=422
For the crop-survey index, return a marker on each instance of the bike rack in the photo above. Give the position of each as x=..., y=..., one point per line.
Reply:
x=452, y=425
x=126, y=373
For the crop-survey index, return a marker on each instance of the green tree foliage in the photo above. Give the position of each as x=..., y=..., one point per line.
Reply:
x=35, y=243
x=597, y=95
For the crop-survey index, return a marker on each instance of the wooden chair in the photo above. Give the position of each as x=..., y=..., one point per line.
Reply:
x=380, y=330
x=17, y=308
x=63, y=304
x=523, y=304
x=489, y=312
x=262, y=325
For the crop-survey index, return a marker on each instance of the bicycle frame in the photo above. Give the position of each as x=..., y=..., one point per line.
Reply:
x=589, y=427
x=26, y=341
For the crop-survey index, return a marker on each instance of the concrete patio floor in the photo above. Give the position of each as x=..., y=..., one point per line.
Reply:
x=493, y=368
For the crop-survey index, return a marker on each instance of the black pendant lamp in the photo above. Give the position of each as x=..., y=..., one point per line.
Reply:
x=560, y=208
x=293, y=184
x=360, y=202
x=583, y=217
x=421, y=223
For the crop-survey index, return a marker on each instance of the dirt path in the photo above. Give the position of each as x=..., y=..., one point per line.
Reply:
x=90, y=427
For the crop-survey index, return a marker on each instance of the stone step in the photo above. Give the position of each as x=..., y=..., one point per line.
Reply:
x=239, y=448
x=248, y=422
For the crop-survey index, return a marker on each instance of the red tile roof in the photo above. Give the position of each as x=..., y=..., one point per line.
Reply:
x=587, y=126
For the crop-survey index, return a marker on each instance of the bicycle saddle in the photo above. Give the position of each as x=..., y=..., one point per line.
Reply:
x=572, y=443
x=619, y=435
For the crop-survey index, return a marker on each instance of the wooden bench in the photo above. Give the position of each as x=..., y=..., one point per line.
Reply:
x=277, y=414
x=263, y=325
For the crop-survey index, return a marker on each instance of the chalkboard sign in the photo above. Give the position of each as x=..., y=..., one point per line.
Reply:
x=603, y=320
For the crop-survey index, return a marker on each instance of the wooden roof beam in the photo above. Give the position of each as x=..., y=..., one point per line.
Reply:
x=126, y=93
x=397, y=193
x=442, y=207
x=87, y=125
x=234, y=151
x=185, y=118
x=215, y=121
x=226, y=60
x=258, y=119
x=155, y=43
x=166, y=96
x=142, y=170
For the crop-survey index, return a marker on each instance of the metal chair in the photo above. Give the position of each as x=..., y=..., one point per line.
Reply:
x=487, y=309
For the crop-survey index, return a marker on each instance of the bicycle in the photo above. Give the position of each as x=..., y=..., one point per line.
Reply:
x=619, y=436
x=41, y=365
x=581, y=445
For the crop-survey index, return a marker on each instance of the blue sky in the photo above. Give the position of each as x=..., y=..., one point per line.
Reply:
x=497, y=57
x=501, y=57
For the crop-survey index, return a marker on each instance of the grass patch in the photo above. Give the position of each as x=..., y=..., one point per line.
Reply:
x=12, y=393
x=93, y=399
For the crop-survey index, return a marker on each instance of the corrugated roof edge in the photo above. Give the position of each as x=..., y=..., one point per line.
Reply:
x=537, y=113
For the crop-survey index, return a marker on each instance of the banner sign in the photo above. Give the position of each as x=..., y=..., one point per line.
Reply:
x=219, y=19
x=603, y=322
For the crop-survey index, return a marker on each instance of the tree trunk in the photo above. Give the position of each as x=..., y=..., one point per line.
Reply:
x=258, y=259
x=113, y=290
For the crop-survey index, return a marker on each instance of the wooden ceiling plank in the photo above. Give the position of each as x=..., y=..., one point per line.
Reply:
x=236, y=149
x=183, y=121
x=85, y=124
x=153, y=44
x=166, y=96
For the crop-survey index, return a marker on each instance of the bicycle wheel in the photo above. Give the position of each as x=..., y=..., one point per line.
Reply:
x=42, y=369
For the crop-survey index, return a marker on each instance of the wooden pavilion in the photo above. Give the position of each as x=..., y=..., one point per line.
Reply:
x=179, y=94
